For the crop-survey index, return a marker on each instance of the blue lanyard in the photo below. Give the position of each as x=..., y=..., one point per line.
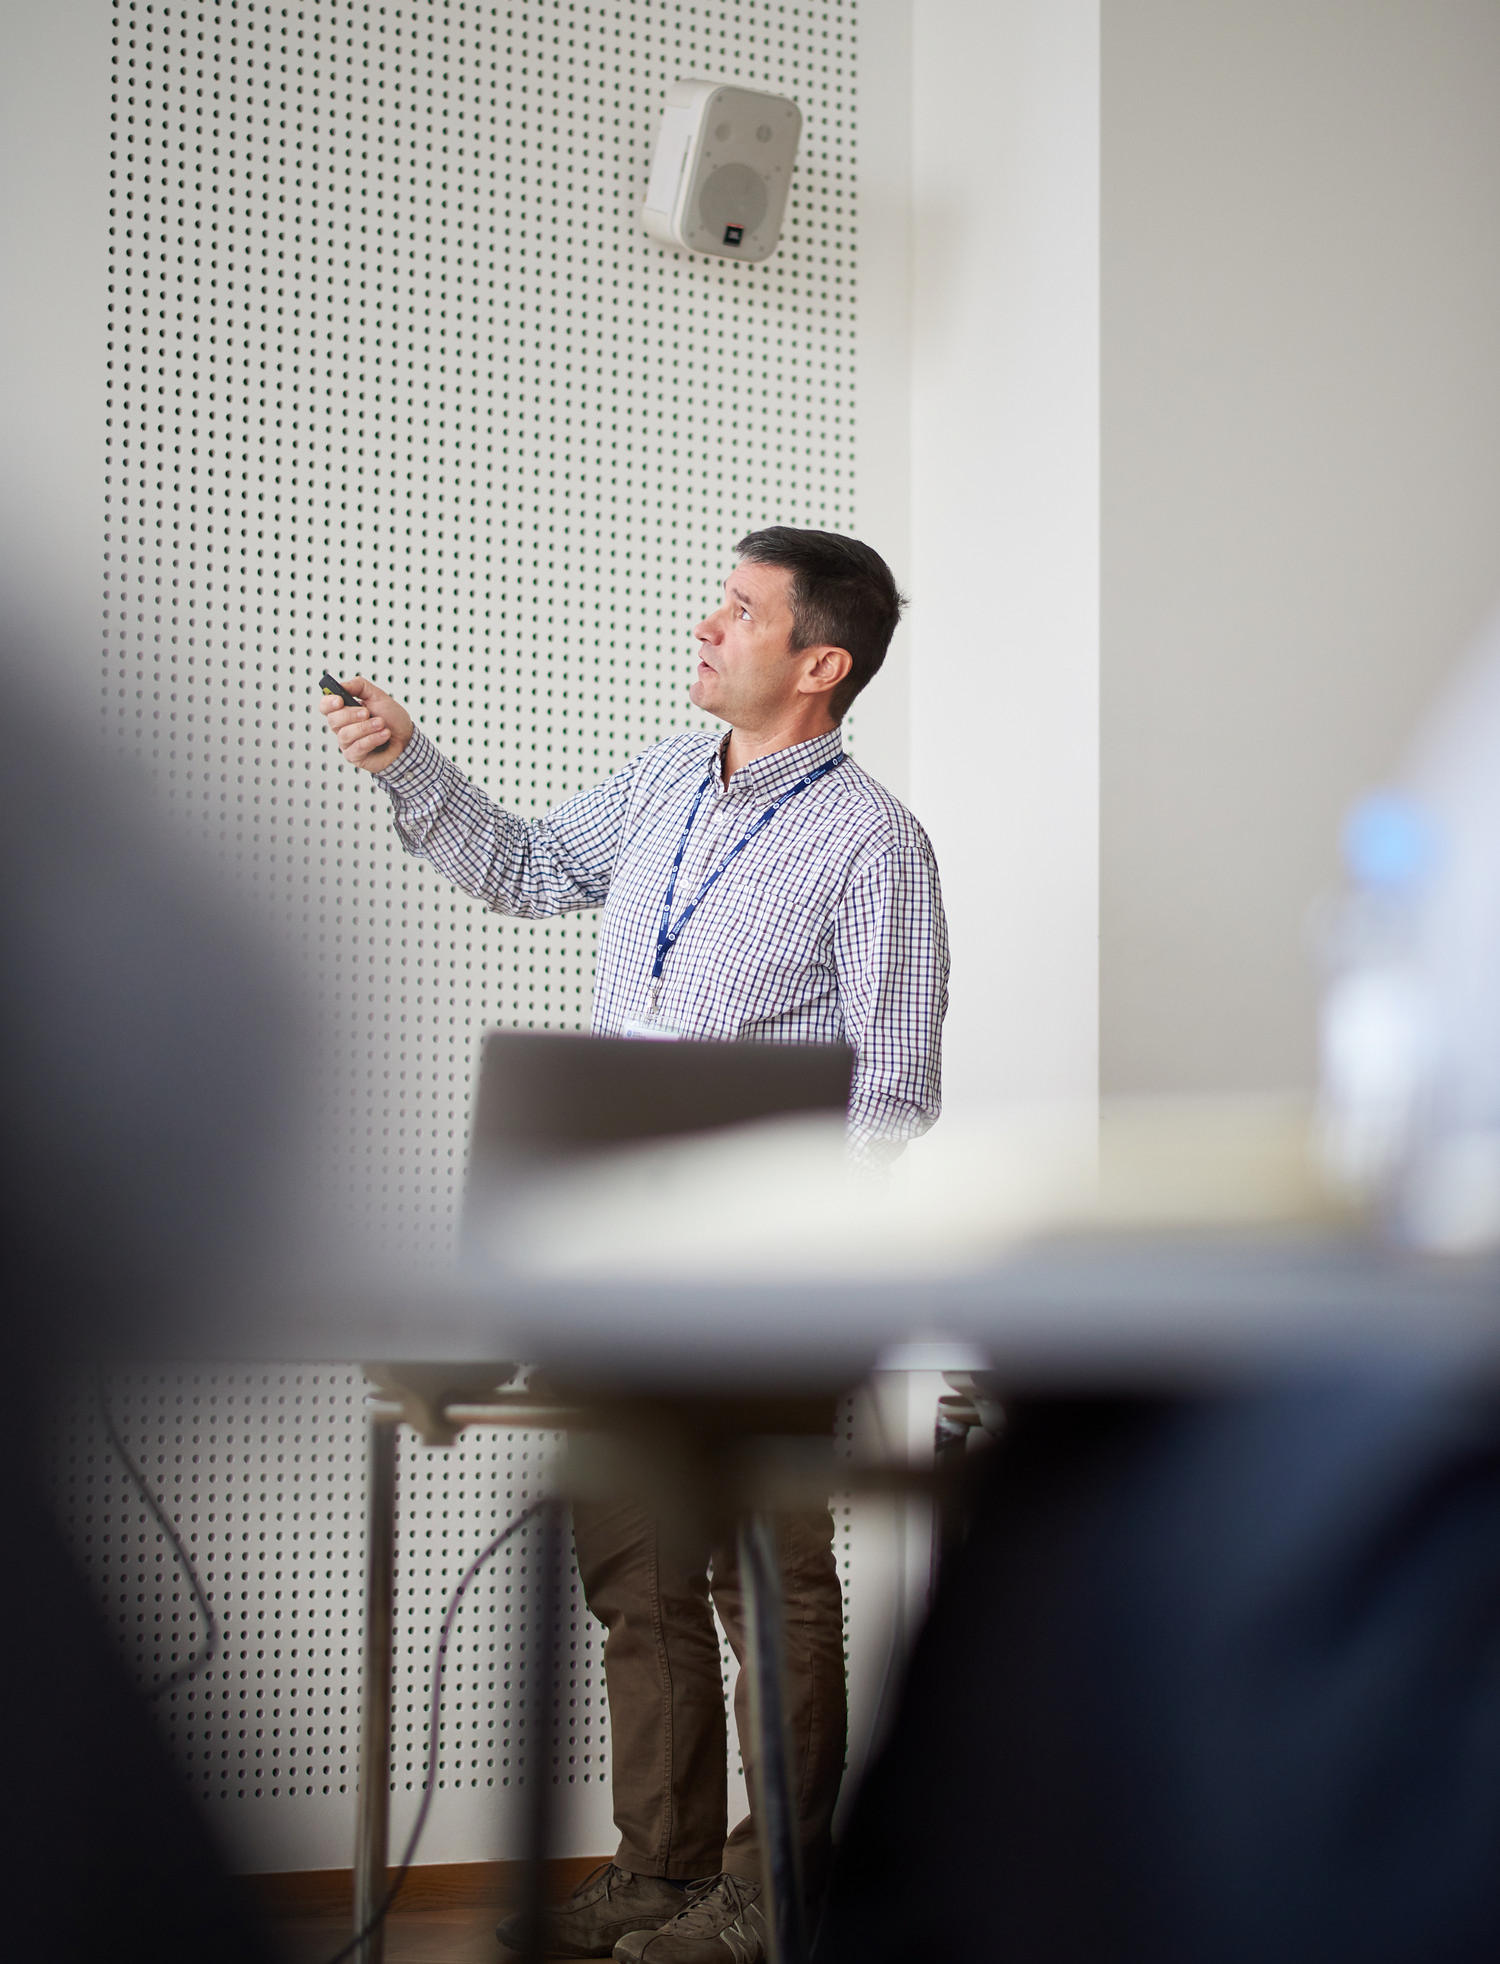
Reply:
x=666, y=934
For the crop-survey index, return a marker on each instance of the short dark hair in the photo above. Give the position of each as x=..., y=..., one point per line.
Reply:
x=843, y=596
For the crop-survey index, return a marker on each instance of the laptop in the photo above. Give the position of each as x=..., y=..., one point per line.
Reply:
x=545, y=1095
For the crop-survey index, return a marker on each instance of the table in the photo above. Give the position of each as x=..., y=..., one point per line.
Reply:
x=640, y=1436
x=1158, y=1310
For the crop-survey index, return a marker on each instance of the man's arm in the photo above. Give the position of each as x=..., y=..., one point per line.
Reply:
x=891, y=953
x=517, y=866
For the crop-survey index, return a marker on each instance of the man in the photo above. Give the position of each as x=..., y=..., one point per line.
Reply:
x=756, y=886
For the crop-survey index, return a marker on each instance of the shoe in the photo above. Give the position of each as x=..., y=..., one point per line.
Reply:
x=720, y=1923
x=607, y=1905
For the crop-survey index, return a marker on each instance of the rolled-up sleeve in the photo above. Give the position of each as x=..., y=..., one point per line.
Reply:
x=891, y=953
x=530, y=867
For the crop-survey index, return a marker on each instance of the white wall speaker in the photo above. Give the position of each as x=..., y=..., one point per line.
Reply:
x=722, y=169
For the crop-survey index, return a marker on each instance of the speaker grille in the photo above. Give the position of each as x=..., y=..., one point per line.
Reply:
x=734, y=194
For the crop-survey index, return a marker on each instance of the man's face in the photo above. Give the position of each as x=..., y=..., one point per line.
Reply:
x=747, y=674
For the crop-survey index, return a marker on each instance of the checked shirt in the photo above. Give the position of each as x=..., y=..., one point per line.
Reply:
x=828, y=927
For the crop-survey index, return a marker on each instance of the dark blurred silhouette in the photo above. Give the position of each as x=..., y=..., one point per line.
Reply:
x=146, y=1059
x=1211, y=1680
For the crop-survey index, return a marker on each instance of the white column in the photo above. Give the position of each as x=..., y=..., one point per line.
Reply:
x=882, y=430
x=1005, y=527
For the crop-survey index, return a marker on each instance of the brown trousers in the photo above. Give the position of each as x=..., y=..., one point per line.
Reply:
x=666, y=1694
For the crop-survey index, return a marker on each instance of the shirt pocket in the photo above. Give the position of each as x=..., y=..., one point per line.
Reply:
x=778, y=918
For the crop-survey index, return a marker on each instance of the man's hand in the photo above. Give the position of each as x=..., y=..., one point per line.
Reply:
x=375, y=731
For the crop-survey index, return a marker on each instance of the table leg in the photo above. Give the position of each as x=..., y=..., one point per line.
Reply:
x=372, y=1833
x=780, y=1837
x=543, y=1676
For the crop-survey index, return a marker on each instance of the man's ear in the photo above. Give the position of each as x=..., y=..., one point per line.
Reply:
x=824, y=669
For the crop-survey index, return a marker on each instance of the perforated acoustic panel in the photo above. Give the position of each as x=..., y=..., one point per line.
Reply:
x=260, y=1474
x=397, y=385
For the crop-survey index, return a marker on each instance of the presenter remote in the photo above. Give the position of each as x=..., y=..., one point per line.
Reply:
x=331, y=688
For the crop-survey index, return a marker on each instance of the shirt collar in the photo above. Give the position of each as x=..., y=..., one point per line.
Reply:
x=767, y=777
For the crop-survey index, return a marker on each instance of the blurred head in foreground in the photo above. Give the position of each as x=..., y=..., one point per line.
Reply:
x=1216, y=1679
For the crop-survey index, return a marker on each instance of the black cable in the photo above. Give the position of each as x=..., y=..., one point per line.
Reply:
x=430, y=1779
x=210, y=1644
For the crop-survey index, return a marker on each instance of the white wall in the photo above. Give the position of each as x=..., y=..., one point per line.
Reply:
x=1301, y=479
x=54, y=144
x=1005, y=529
x=881, y=724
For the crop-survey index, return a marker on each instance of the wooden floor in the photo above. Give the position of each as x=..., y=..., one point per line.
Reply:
x=445, y=1915
x=419, y=1936
x=422, y=1936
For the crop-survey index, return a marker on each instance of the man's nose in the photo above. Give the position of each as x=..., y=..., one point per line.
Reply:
x=711, y=629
